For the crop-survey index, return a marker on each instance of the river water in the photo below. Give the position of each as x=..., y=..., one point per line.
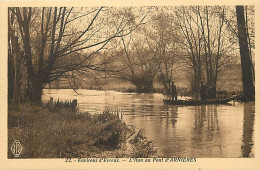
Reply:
x=178, y=131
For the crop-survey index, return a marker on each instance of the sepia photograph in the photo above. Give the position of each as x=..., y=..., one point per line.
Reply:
x=172, y=83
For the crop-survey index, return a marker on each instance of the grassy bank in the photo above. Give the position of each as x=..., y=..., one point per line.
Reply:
x=46, y=134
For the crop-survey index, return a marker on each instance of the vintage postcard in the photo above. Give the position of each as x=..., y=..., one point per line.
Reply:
x=129, y=85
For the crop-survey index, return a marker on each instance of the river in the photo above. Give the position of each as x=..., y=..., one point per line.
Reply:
x=210, y=131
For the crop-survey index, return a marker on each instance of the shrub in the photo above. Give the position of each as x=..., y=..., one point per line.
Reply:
x=142, y=147
x=44, y=134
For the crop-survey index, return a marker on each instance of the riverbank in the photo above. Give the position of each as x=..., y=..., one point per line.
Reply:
x=46, y=134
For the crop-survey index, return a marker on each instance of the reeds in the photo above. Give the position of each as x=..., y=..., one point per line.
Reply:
x=119, y=113
x=57, y=106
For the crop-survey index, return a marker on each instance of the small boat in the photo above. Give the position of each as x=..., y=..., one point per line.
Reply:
x=193, y=102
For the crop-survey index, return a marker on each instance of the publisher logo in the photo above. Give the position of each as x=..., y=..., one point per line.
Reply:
x=16, y=148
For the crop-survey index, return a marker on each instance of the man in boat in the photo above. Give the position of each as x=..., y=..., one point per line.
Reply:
x=203, y=91
x=174, y=91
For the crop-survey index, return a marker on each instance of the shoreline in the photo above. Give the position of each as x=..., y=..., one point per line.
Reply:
x=61, y=134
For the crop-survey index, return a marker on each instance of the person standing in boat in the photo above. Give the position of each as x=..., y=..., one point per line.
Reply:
x=174, y=91
x=203, y=91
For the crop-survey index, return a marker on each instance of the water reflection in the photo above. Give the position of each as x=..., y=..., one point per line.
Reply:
x=248, y=126
x=173, y=115
x=178, y=131
x=206, y=136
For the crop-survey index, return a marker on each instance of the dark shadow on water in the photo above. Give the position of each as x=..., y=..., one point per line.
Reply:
x=248, y=129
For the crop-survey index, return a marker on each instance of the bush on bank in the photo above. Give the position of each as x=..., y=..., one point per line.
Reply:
x=46, y=134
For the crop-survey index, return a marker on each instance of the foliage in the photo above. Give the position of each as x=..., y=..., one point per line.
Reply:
x=52, y=43
x=44, y=134
x=135, y=44
x=142, y=147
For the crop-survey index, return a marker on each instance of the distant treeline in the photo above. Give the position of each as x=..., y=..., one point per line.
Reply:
x=140, y=45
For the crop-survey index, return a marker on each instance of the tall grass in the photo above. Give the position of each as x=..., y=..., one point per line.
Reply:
x=64, y=133
x=44, y=134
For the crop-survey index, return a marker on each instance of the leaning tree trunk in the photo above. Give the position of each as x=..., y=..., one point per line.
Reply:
x=247, y=76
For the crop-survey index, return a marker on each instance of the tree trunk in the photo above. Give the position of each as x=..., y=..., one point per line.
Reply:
x=166, y=82
x=247, y=76
x=14, y=71
x=143, y=86
x=37, y=87
x=17, y=71
x=10, y=78
x=148, y=86
x=167, y=86
x=212, y=89
x=195, y=83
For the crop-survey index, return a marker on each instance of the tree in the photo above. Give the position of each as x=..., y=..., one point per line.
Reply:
x=135, y=63
x=202, y=29
x=52, y=36
x=246, y=63
x=191, y=43
x=230, y=19
x=15, y=63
